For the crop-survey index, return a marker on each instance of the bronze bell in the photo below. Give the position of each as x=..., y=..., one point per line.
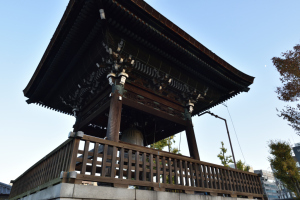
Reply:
x=133, y=136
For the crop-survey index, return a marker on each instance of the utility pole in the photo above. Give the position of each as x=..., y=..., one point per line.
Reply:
x=208, y=112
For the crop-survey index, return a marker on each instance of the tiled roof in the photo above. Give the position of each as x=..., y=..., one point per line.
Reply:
x=154, y=13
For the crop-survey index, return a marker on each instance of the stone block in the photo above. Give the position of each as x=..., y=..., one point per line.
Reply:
x=146, y=195
x=66, y=190
x=168, y=195
x=183, y=196
x=95, y=192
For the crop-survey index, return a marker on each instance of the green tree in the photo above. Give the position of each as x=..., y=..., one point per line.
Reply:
x=225, y=160
x=289, y=68
x=241, y=166
x=167, y=142
x=284, y=165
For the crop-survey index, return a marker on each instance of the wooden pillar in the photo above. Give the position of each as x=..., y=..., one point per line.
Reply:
x=115, y=109
x=114, y=117
x=190, y=136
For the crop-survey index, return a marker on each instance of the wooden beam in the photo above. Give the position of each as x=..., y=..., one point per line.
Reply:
x=152, y=111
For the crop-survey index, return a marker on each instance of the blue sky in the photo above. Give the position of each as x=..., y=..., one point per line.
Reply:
x=247, y=34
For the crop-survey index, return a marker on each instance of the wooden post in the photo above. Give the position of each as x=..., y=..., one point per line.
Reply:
x=114, y=117
x=115, y=109
x=190, y=136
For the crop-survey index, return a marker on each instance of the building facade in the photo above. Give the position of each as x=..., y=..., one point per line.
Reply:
x=4, y=190
x=296, y=150
x=270, y=189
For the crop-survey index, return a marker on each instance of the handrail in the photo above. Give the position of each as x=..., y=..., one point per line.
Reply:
x=162, y=153
x=46, y=169
x=120, y=163
x=157, y=168
x=44, y=158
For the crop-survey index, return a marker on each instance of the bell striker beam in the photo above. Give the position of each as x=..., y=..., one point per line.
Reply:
x=190, y=134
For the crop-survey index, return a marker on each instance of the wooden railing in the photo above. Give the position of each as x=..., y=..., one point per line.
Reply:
x=46, y=170
x=121, y=164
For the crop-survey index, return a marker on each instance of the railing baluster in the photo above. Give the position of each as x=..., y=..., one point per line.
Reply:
x=164, y=169
x=175, y=171
x=121, y=165
x=234, y=181
x=55, y=167
x=85, y=157
x=251, y=184
x=104, y=159
x=197, y=174
x=69, y=157
x=259, y=186
x=170, y=171
x=186, y=174
x=95, y=157
x=201, y=176
x=214, y=182
x=205, y=177
x=129, y=164
x=246, y=182
x=209, y=177
x=181, y=172
x=222, y=178
x=249, y=190
x=239, y=181
x=65, y=157
x=244, y=187
x=50, y=163
x=157, y=169
x=60, y=163
x=191, y=174
x=229, y=178
x=218, y=171
x=56, y=170
x=137, y=165
x=151, y=167
x=113, y=163
x=144, y=166
x=213, y=177
x=256, y=184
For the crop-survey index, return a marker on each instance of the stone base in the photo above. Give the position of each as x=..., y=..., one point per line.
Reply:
x=66, y=191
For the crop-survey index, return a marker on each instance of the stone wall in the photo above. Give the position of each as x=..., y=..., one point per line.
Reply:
x=65, y=191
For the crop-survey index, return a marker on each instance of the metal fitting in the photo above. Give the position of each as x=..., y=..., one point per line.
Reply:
x=123, y=76
x=110, y=78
